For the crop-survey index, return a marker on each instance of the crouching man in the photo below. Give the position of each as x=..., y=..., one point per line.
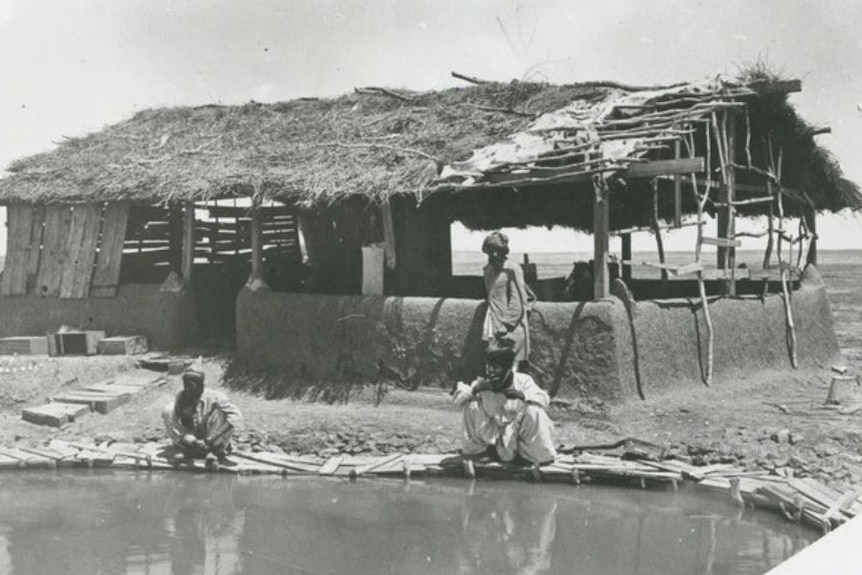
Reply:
x=200, y=421
x=505, y=410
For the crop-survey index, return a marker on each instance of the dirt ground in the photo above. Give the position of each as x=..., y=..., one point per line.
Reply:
x=776, y=421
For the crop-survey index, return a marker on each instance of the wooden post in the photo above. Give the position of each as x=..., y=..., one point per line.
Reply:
x=255, y=278
x=188, y=243
x=627, y=256
x=601, y=223
x=677, y=190
x=811, y=221
x=727, y=215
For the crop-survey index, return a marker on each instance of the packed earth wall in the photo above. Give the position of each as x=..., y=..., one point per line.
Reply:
x=167, y=319
x=609, y=349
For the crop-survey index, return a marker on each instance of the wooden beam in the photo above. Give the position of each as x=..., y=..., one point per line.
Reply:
x=634, y=171
x=665, y=167
x=601, y=223
x=188, y=256
x=776, y=87
x=627, y=256
x=721, y=242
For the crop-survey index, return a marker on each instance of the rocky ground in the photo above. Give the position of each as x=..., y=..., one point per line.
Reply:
x=776, y=421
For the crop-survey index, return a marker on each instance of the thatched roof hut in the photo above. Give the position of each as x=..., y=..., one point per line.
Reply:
x=378, y=143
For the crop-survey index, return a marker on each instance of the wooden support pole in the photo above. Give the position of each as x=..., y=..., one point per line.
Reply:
x=627, y=256
x=727, y=214
x=255, y=278
x=188, y=243
x=656, y=228
x=811, y=222
x=256, y=244
x=601, y=224
x=677, y=190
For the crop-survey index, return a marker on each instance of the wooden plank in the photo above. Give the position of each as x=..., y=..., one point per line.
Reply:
x=71, y=250
x=331, y=466
x=776, y=87
x=738, y=273
x=665, y=167
x=360, y=470
x=54, y=414
x=112, y=388
x=244, y=212
x=85, y=264
x=721, y=242
x=140, y=378
x=101, y=402
x=37, y=345
x=57, y=220
x=34, y=249
x=22, y=260
x=80, y=252
x=278, y=461
x=28, y=459
x=123, y=345
x=106, y=277
x=14, y=248
x=688, y=269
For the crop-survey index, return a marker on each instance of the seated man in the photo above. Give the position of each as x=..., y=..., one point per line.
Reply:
x=505, y=410
x=200, y=421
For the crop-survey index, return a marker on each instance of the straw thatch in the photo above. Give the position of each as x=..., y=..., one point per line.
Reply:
x=374, y=143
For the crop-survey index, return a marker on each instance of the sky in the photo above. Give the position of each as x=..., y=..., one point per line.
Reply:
x=70, y=67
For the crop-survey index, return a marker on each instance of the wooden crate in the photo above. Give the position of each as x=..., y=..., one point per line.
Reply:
x=123, y=345
x=24, y=345
x=75, y=342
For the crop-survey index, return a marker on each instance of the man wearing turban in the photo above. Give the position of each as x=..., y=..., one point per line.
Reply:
x=505, y=410
x=506, y=291
x=200, y=421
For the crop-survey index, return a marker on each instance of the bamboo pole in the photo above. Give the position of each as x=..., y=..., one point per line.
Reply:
x=601, y=223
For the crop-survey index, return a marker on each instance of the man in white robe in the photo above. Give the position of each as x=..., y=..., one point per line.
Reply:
x=506, y=410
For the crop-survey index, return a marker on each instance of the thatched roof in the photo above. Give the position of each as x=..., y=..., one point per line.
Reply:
x=374, y=143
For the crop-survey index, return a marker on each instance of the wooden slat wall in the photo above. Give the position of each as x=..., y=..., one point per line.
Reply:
x=81, y=251
x=19, y=223
x=35, y=248
x=230, y=234
x=148, y=236
x=57, y=221
x=106, y=278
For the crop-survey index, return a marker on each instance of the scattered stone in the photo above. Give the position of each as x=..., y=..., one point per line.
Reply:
x=796, y=438
x=782, y=436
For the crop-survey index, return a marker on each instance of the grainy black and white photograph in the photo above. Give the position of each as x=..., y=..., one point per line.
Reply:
x=430, y=287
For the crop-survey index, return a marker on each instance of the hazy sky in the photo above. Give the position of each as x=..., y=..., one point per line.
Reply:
x=68, y=67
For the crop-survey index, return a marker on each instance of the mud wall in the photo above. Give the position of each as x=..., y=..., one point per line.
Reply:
x=167, y=319
x=612, y=349
x=670, y=336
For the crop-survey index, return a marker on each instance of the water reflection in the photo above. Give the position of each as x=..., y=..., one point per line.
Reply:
x=217, y=525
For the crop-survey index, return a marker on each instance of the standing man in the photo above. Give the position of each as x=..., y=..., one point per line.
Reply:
x=200, y=421
x=506, y=293
x=505, y=410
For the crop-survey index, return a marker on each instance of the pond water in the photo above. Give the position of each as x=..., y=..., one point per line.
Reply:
x=109, y=523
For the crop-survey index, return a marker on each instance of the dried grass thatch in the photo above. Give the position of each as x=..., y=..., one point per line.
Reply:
x=374, y=143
